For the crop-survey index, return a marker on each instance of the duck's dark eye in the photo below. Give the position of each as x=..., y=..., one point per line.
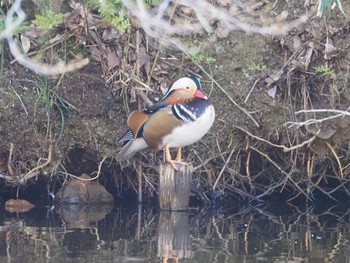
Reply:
x=187, y=87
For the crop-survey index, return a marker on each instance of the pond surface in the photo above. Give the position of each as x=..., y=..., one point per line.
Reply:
x=268, y=233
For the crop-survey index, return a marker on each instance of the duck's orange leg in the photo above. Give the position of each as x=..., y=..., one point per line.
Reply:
x=178, y=155
x=177, y=163
x=165, y=259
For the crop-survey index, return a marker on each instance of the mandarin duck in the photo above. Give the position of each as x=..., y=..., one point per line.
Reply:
x=182, y=117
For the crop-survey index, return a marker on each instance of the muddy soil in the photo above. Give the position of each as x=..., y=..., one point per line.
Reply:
x=55, y=127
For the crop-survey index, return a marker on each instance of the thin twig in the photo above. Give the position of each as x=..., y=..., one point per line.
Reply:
x=208, y=160
x=251, y=90
x=337, y=159
x=86, y=179
x=270, y=160
x=20, y=99
x=290, y=124
x=282, y=171
x=227, y=95
x=223, y=168
x=35, y=171
x=9, y=162
x=347, y=113
x=285, y=149
x=340, y=113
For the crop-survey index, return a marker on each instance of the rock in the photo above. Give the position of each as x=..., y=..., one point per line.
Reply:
x=78, y=191
x=18, y=206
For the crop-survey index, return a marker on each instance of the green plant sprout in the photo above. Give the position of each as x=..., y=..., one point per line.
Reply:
x=199, y=57
x=150, y=3
x=250, y=69
x=48, y=21
x=112, y=12
x=51, y=99
x=326, y=72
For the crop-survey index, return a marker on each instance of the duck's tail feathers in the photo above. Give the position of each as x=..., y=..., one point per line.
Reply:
x=131, y=147
x=128, y=136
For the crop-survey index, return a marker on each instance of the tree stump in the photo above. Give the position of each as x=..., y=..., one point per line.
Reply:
x=173, y=236
x=174, y=187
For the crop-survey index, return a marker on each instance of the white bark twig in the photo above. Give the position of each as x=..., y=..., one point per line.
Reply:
x=341, y=114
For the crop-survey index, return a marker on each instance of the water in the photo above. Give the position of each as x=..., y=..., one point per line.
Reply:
x=274, y=233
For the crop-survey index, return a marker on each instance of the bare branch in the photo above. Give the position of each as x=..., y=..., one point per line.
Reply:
x=285, y=149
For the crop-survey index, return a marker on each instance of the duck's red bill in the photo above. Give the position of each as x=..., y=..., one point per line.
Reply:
x=199, y=94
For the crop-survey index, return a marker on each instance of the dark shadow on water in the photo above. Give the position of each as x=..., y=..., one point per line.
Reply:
x=270, y=232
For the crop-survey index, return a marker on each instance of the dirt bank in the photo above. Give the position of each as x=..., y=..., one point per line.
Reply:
x=56, y=127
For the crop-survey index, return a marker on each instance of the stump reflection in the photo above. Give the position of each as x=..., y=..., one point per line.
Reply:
x=173, y=236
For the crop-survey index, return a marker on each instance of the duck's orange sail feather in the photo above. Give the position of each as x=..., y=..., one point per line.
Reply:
x=136, y=120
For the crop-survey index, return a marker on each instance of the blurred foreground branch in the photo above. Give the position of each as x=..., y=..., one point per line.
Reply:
x=205, y=17
x=169, y=23
x=15, y=16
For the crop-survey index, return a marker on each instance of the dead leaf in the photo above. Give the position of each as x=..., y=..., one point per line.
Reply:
x=257, y=6
x=112, y=60
x=145, y=60
x=18, y=205
x=34, y=32
x=330, y=50
x=274, y=77
x=222, y=30
x=272, y=91
x=187, y=11
x=324, y=132
x=132, y=95
x=96, y=53
x=142, y=56
x=164, y=86
x=110, y=33
x=296, y=43
x=25, y=41
x=308, y=55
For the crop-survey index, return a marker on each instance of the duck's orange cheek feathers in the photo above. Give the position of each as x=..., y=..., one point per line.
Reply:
x=179, y=96
x=136, y=120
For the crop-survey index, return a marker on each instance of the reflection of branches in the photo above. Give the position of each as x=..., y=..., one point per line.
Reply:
x=266, y=233
x=15, y=16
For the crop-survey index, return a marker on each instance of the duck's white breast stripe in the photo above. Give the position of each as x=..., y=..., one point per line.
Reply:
x=183, y=113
